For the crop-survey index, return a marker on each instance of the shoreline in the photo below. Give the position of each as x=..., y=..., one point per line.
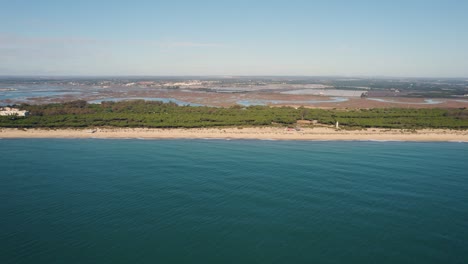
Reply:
x=260, y=133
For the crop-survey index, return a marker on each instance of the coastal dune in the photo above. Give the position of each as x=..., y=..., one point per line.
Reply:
x=272, y=133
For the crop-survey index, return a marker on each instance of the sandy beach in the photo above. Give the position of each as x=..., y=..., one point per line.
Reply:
x=265, y=133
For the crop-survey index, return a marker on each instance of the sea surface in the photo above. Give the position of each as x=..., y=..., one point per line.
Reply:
x=238, y=201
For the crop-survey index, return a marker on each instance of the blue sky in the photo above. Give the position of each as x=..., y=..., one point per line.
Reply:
x=371, y=38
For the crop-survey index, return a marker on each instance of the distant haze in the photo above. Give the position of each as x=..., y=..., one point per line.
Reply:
x=347, y=38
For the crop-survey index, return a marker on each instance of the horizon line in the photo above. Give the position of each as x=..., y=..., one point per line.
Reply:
x=225, y=76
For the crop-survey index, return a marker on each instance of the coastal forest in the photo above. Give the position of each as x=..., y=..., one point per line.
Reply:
x=153, y=114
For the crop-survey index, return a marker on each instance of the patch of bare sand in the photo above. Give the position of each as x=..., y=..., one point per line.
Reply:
x=274, y=133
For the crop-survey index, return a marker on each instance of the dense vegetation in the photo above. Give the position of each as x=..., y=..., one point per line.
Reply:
x=170, y=115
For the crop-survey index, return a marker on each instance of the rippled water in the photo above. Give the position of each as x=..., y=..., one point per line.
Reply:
x=238, y=201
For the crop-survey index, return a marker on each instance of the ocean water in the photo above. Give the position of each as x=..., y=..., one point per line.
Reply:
x=238, y=201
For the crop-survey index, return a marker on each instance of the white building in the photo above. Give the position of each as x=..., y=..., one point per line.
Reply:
x=8, y=111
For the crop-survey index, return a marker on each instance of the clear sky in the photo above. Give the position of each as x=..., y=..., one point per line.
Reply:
x=369, y=37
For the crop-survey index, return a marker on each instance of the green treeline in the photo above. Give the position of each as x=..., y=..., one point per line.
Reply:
x=169, y=115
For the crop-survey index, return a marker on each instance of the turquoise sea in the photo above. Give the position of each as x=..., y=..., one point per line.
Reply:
x=238, y=201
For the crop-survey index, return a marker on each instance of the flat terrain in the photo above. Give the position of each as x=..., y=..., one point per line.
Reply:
x=313, y=92
x=265, y=133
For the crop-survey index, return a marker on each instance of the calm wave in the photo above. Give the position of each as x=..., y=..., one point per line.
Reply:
x=238, y=201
